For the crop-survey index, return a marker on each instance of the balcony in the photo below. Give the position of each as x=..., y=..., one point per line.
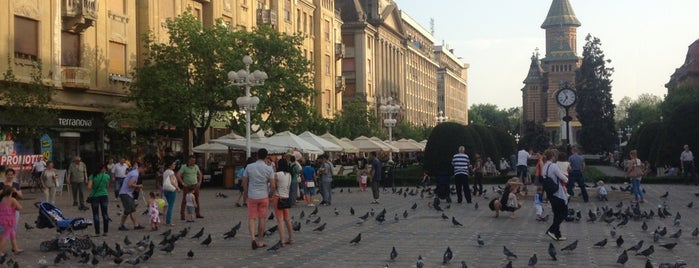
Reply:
x=75, y=78
x=339, y=51
x=340, y=83
x=78, y=15
x=267, y=16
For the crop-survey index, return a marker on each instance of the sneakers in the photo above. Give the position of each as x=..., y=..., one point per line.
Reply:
x=123, y=228
x=140, y=227
x=562, y=238
x=200, y=217
x=552, y=235
x=311, y=205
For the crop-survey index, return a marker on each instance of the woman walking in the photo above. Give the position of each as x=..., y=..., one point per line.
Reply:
x=282, y=180
x=170, y=189
x=635, y=173
x=49, y=181
x=98, y=185
x=559, y=199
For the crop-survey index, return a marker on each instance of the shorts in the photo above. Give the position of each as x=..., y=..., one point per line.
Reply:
x=309, y=191
x=257, y=208
x=127, y=203
x=190, y=209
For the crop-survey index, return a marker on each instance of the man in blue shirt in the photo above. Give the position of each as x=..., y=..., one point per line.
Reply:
x=577, y=164
x=309, y=176
x=376, y=176
x=460, y=161
x=126, y=195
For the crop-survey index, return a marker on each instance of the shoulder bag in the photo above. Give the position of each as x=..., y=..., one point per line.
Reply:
x=550, y=186
x=636, y=171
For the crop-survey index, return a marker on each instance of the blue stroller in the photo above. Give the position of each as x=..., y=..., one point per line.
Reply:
x=51, y=216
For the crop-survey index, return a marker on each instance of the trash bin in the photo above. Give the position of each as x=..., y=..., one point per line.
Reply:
x=228, y=177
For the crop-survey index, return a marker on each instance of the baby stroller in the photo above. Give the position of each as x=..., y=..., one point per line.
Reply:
x=442, y=189
x=51, y=216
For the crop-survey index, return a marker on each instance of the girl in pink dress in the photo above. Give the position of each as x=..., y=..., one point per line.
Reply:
x=8, y=206
x=153, y=212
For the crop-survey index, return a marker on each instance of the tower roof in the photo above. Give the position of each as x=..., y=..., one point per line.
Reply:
x=536, y=72
x=560, y=13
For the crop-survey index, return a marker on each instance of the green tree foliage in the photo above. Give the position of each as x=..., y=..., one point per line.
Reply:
x=489, y=115
x=184, y=82
x=645, y=109
x=534, y=136
x=595, y=108
x=26, y=103
x=355, y=120
x=405, y=130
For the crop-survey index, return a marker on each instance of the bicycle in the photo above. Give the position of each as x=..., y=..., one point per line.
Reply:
x=33, y=183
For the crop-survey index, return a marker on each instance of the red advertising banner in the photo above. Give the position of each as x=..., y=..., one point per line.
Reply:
x=15, y=161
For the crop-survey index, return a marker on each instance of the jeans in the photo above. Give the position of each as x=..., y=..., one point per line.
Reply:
x=77, y=189
x=636, y=188
x=375, y=189
x=462, y=188
x=100, y=203
x=327, y=192
x=117, y=186
x=170, y=198
x=293, y=192
x=577, y=177
x=560, y=211
x=522, y=172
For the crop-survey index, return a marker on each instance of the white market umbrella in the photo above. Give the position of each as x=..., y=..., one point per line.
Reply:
x=287, y=138
x=365, y=144
x=232, y=136
x=254, y=145
x=385, y=143
x=347, y=147
x=210, y=148
x=406, y=146
x=319, y=142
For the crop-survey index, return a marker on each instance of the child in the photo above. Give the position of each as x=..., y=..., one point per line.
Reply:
x=601, y=192
x=8, y=207
x=153, y=212
x=425, y=179
x=538, y=202
x=363, y=181
x=191, y=204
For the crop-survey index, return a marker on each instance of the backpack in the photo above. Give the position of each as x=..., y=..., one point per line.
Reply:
x=549, y=184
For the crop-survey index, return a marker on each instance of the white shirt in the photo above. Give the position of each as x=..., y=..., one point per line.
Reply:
x=522, y=157
x=283, y=182
x=686, y=156
x=552, y=171
x=119, y=170
x=39, y=166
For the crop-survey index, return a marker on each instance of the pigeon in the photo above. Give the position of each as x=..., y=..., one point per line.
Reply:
x=679, y=264
x=665, y=195
x=444, y=217
x=623, y=258
x=420, y=263
x=663, y=231
x=463, y=265
x=648, y=264
x=405, y=214
x=532, y=261
x=320, y=228
x=414, y=206
x=552, y=251
x=198, y=234
x=455, y=222
x=570, y=247
x=296, y=226
x=508, y=253
x=207, y=241
x=690, y=205
x=656, y=237
x=167, y=233
x=271, y=216
x=646, y=252
x=636, y=247
x=127, y=241
x=480, y=241
x=366, y=216
x=644, y=226
x=695, y=233
x=316, y=221
x=508, y=265
x=352, y=211
x=394, y=254
x=475, y=206
x=231, y=234
x=276, y=246
x=612, y=232
x=27, y=226
x=118, y=260
x=337, y=213
x=190, y=254
x=623, y=222
x=356, y=239
x=271, y=230
x=619, y=241
x=677, y=234
x=134, y=261
x=601, y=244
x=315, y=211
x=669, y=246
x=303, y=214
x=446, y=258
x=168, y=247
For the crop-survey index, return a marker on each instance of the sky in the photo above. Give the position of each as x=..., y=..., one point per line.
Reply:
x=646, y=40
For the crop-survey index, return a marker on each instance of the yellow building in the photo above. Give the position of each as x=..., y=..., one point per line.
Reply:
x=452, y=87
x=420, y=92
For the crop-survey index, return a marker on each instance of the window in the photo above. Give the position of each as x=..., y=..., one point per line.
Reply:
x=326, y=30
x=310, y=24
x=327, y=64
x=298, y=20
x=117, y=6
x=117, y=58
x=196, y=12
x=348, y=65
x=287, y=10
x=368, y=67
x=70, y=49
x=368, y=42
x=26, y=38
x=305, y=22
x=348, y=40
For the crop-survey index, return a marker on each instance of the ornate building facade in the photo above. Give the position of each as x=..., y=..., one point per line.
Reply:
x=688, y=74
x=546, y=76
x=452, y=87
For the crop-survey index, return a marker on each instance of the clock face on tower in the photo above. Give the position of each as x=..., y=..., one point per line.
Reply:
x=566, y=97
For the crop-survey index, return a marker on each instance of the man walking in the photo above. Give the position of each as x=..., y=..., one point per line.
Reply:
x=190, y=177
x=38, y=167
x=376, y=176
x=126, y=195
x=326, y=180
x=460, y=161
x=522, y=169
x=77, y=178
x=687, y=160
x=577, y=165
x=119, y=173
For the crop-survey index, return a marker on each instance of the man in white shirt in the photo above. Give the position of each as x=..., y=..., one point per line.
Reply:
x=522, y=170
x=119, y=173
x=687, y=160
x=39, y=167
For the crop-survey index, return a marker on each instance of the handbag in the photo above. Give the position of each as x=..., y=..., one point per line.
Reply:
x=310, y=184
x=550, y=186
x=283, y=203
x=635, y=172
x=167, y=185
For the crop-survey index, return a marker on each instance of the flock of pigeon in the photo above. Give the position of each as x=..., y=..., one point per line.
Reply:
x=618, y=218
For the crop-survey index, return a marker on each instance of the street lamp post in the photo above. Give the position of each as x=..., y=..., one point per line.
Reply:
x=517, y=138
x=620, y=132
x=390, y=110
x=247, y=103
x=628, y=134
x=441, y=118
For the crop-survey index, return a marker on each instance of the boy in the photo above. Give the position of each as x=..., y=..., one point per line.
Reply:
x=601, y=192
x=191, y=204
x=538, y=202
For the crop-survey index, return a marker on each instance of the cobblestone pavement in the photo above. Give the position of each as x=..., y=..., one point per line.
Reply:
x=422, y=233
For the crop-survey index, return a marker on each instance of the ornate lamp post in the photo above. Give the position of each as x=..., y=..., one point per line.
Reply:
x=441, y=118
x=390, y=110
x=517, y=138
x=620, y=132
x=628, y=134
x=247, y=103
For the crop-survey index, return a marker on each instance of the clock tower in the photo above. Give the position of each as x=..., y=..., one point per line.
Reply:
x=549, y=74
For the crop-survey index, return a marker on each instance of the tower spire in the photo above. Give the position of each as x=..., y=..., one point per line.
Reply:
x=560, y=13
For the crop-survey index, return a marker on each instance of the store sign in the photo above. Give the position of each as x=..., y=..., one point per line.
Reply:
x=74, y=122
x=18, y=160
x=46, y=147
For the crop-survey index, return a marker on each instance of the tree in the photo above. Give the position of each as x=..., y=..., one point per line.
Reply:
x=26, y=103
x=489, y=115
x=595, y=108
x=534, y=136
x=645, y=109
x=355, y=120
x=409, y=131
x=184, y=82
